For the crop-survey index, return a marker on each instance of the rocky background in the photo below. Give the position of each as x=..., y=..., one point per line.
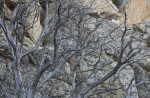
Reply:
x=88, y=64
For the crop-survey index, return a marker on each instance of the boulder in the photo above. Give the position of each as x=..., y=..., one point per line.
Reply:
x=102, y=9
x=137, y=11
x=6, y=12
x=33, y=22
x=36, y=30
x=101, y=6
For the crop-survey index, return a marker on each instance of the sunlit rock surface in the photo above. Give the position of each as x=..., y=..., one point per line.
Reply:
x=138, y=11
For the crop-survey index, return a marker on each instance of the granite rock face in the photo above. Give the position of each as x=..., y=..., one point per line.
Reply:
x=61, y=82
x=138, y=11
x=103, y=9
x=34, y=9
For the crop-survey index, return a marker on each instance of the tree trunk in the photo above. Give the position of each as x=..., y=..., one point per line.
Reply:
x=18, y=80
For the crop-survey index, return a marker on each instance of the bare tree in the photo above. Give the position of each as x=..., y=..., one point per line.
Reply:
x=70, y=36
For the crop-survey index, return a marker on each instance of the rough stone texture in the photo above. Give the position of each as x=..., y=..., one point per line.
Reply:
x=125, y=75
x=137, y=11
x=7, y=13
x=147, y=27
x=103, y=9
x=102, y=6
x=59, y=87
x=36, y=28
x=141, y=31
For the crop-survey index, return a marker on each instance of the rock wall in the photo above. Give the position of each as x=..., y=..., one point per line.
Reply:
x=34, y=24
x=138, y=11
x=102, y=8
